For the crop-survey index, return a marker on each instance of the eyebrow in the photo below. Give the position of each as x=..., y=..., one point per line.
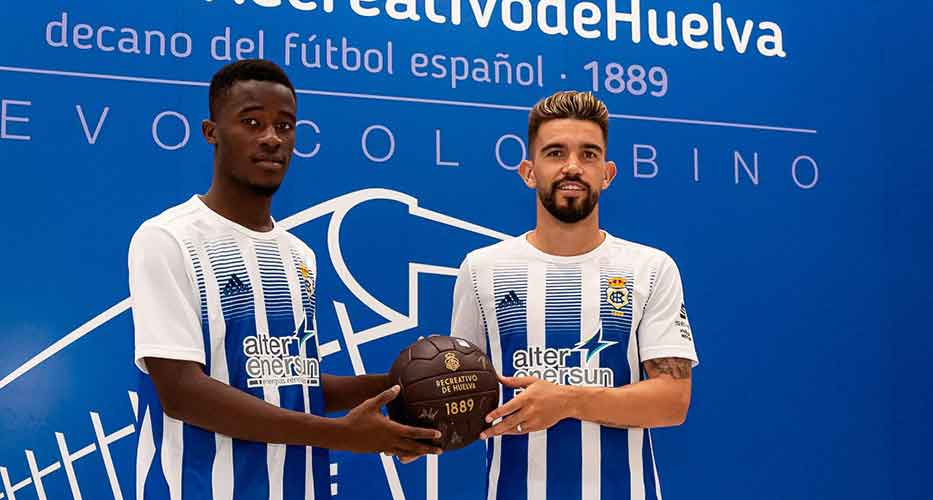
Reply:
x=555, y=145
x=257, y=107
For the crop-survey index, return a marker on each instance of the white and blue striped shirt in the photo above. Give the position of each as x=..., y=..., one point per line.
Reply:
x=587, y=320
x=241, y=303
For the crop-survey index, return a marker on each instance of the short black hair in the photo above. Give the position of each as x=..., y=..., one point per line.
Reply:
x=247, y=69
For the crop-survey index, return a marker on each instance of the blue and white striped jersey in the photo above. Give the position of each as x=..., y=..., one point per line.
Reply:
x=588, y=320
x=241, y=303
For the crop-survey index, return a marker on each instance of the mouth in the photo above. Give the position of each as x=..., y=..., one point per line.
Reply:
x=571, y=188
x=268, y=163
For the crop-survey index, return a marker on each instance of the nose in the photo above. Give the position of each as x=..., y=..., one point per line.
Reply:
x=270, y=138
x=572, y=166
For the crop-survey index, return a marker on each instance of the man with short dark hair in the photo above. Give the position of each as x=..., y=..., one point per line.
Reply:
x=572, y=317
x=225, y=327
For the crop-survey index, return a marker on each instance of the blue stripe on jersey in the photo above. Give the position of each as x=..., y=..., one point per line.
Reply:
x=615, y=313
x=510, y=292
x=565, y=460
x=321, y=459
x=615, y=480
x=562, y=313
x=196, y=481
x=250, y=473
x=513, y=471
x=648, y=464
x=294, y=477
x=155, y=486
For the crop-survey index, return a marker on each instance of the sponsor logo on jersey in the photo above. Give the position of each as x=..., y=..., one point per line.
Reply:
x=684, y=324
x=234, y=286
x=510, y=300
x=551, y=364
x=281, y=361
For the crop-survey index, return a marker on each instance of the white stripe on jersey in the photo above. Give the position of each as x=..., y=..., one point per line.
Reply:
x=172, y=450
x=222, y=468
x=275, y=453
x=494, y=466
x=431, y=481
x=635, y=436
x=654, y=465
x=591, y=443
x=537, y=441
x=145, y=452
x=299, y=314
x=495, y=354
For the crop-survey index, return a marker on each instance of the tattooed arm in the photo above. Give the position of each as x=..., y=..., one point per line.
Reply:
x=660, y=401
x=677, y=368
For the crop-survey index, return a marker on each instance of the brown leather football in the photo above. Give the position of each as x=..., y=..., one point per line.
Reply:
x=448, y=384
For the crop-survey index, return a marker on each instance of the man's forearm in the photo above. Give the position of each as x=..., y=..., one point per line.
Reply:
x=217, y=407
x=659, y=402
x=343, y=393
x=190, y=395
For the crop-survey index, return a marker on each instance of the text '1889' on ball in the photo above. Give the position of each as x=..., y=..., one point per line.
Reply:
x=448, y=384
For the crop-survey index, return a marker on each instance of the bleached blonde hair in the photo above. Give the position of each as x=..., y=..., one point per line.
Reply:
x=568, y=104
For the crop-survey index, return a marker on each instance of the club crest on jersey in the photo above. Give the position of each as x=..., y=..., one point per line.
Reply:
x=306, y=278
x=617, y=295
x=451, y=361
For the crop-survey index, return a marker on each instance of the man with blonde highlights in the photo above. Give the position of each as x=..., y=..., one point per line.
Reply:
x=589, y=331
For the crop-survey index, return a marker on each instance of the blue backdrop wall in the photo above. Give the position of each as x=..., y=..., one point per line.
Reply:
x=778, y=151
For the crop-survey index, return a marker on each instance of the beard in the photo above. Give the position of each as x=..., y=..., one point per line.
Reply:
x=576, y=210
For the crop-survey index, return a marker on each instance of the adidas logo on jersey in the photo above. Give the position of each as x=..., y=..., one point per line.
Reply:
x=510, y=300
x=234, y=286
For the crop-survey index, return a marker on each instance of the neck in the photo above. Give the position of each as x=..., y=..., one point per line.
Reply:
x=554, y=237
x=239, y=204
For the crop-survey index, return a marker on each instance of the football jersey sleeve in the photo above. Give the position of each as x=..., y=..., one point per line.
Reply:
x=466, y=317
x=165, y=299
x=664, y=330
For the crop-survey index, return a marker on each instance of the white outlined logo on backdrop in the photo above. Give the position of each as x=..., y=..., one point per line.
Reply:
x=394, y=322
